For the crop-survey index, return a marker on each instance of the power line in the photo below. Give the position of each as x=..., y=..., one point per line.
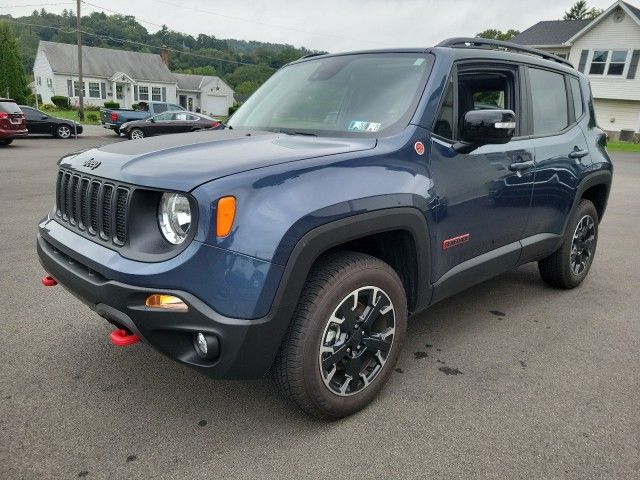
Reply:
x=37, y=5
x=122, y=40
x=121, y=13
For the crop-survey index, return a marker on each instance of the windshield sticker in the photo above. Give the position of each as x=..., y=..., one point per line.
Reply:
x=419, y=61
x=358, y=126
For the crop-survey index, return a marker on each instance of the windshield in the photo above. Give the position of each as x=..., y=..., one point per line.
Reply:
x=354, y=95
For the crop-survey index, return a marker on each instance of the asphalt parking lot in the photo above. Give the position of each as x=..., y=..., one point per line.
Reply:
x=510, y=379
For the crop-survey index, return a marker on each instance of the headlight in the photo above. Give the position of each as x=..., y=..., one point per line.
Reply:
x=174, y=217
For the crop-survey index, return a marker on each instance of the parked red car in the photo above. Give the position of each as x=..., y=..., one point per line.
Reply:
x=12, y=122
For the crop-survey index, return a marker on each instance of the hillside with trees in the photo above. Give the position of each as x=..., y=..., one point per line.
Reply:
x=245, y=65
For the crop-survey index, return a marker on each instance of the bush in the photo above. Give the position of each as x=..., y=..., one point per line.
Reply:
x=60, y=101
x=233, y=108
x=47, y=107
x=92, y=117
x=111, y=105
x=31, y=100
x=91, y=108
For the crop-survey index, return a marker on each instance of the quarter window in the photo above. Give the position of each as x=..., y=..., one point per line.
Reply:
x=156, y=95
x=143, y=93
x=549, y=102
x=577, y=97
x=94, y=89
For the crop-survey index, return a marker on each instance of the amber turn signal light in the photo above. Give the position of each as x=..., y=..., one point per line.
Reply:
x=226, y=212
x=166, y=302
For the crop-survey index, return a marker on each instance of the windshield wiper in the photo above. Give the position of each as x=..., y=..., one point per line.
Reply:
x=294, y=132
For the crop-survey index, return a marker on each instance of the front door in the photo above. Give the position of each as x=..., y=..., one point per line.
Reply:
x=482, y=197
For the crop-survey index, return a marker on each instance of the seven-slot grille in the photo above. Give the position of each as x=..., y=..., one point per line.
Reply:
x=93, y=205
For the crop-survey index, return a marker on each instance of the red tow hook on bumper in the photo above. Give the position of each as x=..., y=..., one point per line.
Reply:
x=123, y=338
x=48, y=281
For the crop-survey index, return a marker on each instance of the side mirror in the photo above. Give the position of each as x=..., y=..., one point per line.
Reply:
x=483, y=127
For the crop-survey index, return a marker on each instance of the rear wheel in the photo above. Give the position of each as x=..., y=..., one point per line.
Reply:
x=5, y=142
x=63, y=131
x=568, y=266
x=345, y=336
x=136, y=134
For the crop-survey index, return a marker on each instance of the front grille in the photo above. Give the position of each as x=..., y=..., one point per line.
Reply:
x=93, y=205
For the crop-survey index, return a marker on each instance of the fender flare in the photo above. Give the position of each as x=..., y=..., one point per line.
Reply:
x=329, y=235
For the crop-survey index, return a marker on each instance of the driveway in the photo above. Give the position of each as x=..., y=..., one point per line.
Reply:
x=510, y=379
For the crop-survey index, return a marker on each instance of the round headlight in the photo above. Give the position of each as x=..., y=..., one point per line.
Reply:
x=174, y=217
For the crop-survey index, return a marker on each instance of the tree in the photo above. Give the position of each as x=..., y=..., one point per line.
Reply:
x=581, y=11
x=12, y=79
x=498, y=34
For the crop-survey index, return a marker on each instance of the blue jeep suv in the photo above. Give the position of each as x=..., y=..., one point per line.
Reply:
x=348, y=193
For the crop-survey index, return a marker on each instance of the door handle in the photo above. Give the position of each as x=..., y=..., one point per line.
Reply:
x=516, y=167
x=578, y=153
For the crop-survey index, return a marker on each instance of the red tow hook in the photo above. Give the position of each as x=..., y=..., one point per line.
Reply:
x=49, y=281
x=123, y=338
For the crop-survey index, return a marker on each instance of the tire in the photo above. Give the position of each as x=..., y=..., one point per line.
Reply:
x=136, y=134
x=116, y=131
x=304, y=364
x=5, y=142
x=566, y=267
x=63, y=131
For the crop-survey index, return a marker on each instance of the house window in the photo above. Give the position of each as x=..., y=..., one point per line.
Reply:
x=143, y=93
x=76, y=88
x=94, y=89
x=39, y=81
x=49, y=83
x=613, y=62
x=156, y=95
x=598, y=62
x=618, y=62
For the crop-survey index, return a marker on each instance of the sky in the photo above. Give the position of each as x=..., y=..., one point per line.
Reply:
x=328, y=25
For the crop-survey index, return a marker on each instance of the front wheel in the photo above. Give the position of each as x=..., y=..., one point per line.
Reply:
x=345, y=336
x=136, y=134
x=568, y=266
x=63, y=131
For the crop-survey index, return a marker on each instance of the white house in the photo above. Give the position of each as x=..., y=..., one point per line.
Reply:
x=125, y=77
x=607, y=50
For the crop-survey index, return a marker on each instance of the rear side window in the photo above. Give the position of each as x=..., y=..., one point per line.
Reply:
x=549, y=101
x=577, y=96
x=9, y=107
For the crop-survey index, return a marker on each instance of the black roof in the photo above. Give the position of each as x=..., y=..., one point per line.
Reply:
x=552, y=32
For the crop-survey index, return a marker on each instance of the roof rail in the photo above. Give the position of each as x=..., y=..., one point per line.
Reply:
x=468, y=42
x=315, y=54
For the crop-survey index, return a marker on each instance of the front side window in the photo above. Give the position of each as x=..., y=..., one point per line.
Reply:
x=163, y=117
x=94, y=89
x=348, y=95
x=143, y=93
x=548, y=101
x=156, y=94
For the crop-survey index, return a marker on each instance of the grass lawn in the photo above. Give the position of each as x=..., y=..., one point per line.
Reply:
x=73, y=115
x=618, y=146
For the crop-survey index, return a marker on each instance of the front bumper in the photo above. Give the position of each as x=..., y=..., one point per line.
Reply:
x=247, y=347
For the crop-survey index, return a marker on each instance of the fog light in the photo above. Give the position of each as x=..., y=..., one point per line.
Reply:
x=206, y=346
x=167, y=302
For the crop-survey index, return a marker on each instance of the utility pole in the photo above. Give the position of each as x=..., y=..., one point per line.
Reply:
x=80, y=80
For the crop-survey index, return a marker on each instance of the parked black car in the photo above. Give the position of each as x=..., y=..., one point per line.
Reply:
x=169, y=122
x=42, y=123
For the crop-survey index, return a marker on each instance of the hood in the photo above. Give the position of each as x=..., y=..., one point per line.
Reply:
x=184, y=161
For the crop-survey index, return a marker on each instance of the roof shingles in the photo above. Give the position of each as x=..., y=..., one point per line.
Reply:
x=552, y=32
x=106, y=62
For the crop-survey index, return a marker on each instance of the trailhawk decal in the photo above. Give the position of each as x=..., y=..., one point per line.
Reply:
x=452, y=242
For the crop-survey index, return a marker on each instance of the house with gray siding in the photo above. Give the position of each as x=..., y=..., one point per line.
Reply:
x=607, y=50
x=125, y=77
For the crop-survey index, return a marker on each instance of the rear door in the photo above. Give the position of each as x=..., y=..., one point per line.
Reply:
x=35, y=121
x=561, y=149
x=483, y=196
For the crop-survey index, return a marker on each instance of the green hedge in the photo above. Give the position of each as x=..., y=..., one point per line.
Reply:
x=60, y=101
x=111, y=105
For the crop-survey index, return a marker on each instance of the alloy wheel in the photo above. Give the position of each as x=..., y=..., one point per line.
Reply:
x=136, y=134
x=356, y=341
x=64, y=131
x=582, y=245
